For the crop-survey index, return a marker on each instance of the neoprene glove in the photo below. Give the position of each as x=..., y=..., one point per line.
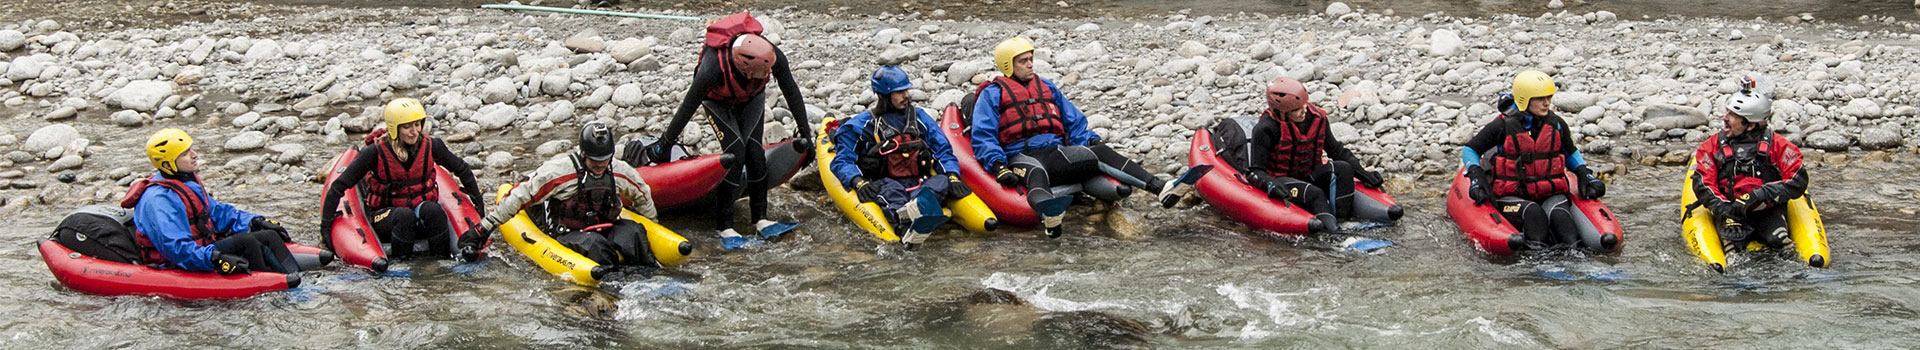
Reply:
x=262, y=223
x=866, y=191
x=804, y=144
x=471, y=240
x=1369, y=178
x=1279, y=193
x=1478, y=187
x=1590, y=186
x=956, y=188
x=1733, y=232
x=1730, y=210
x=229, y=264
x=658, y=153
x=1005, y=176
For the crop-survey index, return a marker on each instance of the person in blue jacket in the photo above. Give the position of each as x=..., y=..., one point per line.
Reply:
x=1026, y=132
x=189, y=229
x=894, y=156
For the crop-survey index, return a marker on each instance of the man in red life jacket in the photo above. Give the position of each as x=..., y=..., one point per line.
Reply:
x=1746, y=174
x=581, y=189
x=178, y=224
x=1287, y=147
x=1532, y=151
x=1026, y=132
x=894, y=155
x=398, y=169
x=730, y=82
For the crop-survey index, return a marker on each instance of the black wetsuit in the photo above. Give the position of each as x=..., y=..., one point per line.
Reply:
x=740, y=127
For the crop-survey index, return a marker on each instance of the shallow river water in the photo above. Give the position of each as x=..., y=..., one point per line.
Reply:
x=1173, y=278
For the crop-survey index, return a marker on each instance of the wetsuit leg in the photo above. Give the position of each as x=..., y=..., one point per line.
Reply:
x=943, y=187
x=402, y=228
x=434, y=228
x=1769, y=226
x=1566, y=231
x=1532, y=218
x=1305, y=195
x=631, y=239
x=1126, y=170
x=592, y=245
x=264, y=251
x=893, y=193
x=739, y=128
x=1337, y=178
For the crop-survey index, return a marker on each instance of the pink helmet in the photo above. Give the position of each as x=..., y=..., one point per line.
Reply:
x=753, y=56
x=1286, y=95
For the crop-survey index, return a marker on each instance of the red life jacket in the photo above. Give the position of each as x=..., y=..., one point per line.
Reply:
x=595, y=200
x=1744, y=165
x=199, y=218
x=393, y=184
x=898, y=152
x=1529, y=166
x=1296, y=152
x=1025, y=110
x=733, y=88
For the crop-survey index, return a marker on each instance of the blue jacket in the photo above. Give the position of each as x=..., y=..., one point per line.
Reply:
x=851, y=142
x=163, y=218
x=986, y=127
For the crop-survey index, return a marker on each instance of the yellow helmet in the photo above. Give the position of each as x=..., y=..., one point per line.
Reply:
x=1529, y=85
x=166, y=146
x=402, y=111
x=1004, y=53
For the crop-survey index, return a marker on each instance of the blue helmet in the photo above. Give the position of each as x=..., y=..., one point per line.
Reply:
x=890, y=79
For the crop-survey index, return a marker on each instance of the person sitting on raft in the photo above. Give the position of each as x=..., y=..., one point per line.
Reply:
x=182, y=226
x=730, y=83
x=399, y=172
x=1026, y=132
x=581, y=189
x=1532, y=152
x=894, y=149
x=1746, y=174
x=1287, y=147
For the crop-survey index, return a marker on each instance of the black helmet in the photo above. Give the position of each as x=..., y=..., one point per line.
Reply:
x=596, y=141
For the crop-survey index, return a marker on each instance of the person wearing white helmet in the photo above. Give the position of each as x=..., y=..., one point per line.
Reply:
x=1532, y=152
x=1747, y=173
x=1024, y=131
x=398, y=166
x=729, y=82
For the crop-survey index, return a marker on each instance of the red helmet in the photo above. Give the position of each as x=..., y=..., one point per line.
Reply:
x=1286, y=95
x=753, y=56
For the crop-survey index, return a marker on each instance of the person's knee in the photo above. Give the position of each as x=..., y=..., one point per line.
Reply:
x=430, y=212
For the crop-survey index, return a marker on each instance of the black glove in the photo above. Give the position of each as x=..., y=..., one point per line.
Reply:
x=1478, y=187
x=1773, y=193
x=956, y=188
x=471, y=240
x=804, y=144
x=1371, y=179
x=1005, y=175
x=229, y=264
x=1730, y=210
x=1279, y=193
x=1733, y=233
x=1590, y=186
x=866, y=191
x=262, y=223
x=659, y=152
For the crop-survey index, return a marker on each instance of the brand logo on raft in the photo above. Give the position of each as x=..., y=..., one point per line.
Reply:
x=103, y=272
x=550, y=255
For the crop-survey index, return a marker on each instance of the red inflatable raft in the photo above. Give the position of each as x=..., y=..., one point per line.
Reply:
x=1492, y=233
x=95, y=276
x=689, y=179
x=1223, y=188
x=1010, y=203
x=353, y=239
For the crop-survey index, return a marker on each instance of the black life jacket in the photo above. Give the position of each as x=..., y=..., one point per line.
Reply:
x=897, y=152
x=595, y=200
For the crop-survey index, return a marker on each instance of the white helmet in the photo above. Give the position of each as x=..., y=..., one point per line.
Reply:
x=1754, y=101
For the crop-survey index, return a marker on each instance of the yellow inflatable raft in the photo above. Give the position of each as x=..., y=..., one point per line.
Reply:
x=1703, y=238
x=521, y=233
x=968, y=212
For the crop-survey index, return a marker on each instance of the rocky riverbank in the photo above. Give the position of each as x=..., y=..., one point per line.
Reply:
x=272, y=98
